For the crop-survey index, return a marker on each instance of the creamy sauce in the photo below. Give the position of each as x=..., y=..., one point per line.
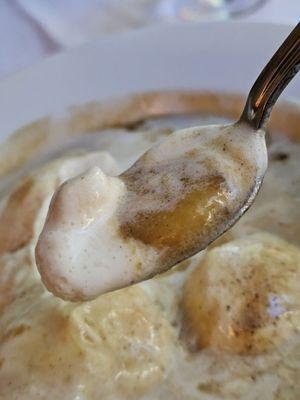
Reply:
x=141, y=342
x=103, y=233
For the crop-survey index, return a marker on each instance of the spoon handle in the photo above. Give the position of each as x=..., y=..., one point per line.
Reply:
x=276, y=75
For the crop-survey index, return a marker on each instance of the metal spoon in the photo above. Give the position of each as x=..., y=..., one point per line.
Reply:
x=138, y=179
x=175, y=200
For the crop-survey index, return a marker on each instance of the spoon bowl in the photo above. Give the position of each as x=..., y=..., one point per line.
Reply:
x=191, y=187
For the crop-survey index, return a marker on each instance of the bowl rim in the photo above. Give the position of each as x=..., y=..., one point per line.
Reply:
x=54, y=82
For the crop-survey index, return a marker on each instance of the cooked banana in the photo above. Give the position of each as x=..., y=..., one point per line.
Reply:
x=123, y=335
x=244, y=296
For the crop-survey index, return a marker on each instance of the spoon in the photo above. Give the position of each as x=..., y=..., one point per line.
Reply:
x=103, y=233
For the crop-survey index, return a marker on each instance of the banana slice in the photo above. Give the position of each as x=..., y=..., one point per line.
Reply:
x=123, y=335
x=244, y=296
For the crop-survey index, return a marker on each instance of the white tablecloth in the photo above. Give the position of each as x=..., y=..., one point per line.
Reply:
x=27, y=36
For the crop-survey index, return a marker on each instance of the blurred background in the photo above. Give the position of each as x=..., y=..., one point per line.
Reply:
x=33, y=29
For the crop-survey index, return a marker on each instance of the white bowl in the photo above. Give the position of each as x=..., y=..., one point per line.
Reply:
x=223, y=56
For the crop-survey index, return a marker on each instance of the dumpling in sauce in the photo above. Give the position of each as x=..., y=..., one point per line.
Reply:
x=244, y=295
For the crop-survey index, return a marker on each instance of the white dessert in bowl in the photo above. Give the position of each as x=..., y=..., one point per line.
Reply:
x=153, y=340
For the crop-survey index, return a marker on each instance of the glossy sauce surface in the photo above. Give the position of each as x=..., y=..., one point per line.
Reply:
x=177, y=229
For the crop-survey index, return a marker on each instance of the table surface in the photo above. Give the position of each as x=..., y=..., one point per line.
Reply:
x=24, y=40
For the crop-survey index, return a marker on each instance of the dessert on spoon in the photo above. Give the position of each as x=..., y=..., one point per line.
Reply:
x=103, y=233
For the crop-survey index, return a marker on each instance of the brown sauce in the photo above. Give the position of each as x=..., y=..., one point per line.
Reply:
x=181, y=225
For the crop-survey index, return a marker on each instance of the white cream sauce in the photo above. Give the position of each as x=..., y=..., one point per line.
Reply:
x=133, y=344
